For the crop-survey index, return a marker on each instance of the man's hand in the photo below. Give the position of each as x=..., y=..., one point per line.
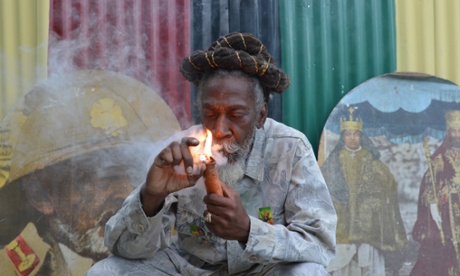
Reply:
x=163, y=178
x=229, y=219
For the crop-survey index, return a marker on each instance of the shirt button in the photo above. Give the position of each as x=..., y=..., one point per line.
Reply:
x=140, y=228
x=254, y=258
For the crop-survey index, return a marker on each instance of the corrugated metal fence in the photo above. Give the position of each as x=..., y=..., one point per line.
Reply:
x=141, y=38
x=428, y=37
x=23, y=48
x=328, y=47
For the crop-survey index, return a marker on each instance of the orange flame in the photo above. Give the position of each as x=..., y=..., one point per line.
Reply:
x=208, y=143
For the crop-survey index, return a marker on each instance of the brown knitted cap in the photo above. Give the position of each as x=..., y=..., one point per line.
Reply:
x=236, y=51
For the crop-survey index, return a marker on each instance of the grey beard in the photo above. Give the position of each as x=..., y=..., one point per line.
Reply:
x=235, y=152
x=232, y=173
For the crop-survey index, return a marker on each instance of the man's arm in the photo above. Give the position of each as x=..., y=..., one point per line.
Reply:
x=132, y=234
x=141, y=226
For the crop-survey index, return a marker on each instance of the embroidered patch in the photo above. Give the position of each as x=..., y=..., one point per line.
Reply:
x=22, y=256
x=199, y=230
x=265, y=214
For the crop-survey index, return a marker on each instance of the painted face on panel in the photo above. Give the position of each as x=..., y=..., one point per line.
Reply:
x=454, y=136
x=352, y=139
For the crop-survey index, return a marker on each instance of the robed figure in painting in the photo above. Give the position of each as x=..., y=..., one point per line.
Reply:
x=364, y=192
x=437, y=228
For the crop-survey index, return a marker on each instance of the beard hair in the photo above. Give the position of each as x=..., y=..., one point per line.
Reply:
x=233, y=171
x=235, y=152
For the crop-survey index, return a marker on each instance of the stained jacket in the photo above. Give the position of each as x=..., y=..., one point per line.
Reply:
x=282, y=180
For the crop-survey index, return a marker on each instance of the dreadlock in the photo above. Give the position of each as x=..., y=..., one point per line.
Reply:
x=237, y=51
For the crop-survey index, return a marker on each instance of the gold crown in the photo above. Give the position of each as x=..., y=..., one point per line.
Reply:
x=453, y=119
x=351, y=123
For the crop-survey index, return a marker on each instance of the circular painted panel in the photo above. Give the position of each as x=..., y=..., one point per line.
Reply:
x=71, y=150
x=390, y=154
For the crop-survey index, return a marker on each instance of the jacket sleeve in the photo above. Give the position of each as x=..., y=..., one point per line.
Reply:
x=131, y=234
x=309, y=232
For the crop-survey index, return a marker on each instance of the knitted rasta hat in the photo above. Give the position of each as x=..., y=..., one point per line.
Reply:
x=236, y=51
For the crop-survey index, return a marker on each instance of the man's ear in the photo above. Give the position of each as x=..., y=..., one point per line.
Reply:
x=41, y=202
x=263, y=116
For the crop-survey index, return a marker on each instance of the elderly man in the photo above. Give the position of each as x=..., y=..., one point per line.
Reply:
x=270, y=171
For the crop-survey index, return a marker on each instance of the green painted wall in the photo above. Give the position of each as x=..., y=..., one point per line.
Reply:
x=328, y=48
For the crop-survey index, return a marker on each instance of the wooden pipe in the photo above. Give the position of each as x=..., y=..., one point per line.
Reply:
x=211, y=178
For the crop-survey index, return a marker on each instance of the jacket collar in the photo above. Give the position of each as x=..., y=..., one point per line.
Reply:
x=255, y=163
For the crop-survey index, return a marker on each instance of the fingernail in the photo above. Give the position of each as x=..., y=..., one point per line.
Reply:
x=189, y=170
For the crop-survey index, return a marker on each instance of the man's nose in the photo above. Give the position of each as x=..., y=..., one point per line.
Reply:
x=221, y=127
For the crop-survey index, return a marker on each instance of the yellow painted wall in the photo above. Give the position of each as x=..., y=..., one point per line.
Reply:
x=24, y=28
x=428, y=37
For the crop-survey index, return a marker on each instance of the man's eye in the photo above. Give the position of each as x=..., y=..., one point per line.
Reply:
x=238, y=115
x=208, y=114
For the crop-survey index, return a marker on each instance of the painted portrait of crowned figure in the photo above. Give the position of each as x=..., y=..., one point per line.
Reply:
x=364, y=193
x=437, y=228
x=390, y=155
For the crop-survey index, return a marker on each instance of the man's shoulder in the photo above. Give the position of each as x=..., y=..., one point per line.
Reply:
x=274, y=129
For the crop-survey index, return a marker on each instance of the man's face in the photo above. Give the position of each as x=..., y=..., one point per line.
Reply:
x=454, y=136
x=229, y=111
x=352, y=139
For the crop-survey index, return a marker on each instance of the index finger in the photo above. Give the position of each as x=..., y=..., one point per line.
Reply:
x=213, y=199
x=190, y=141
x=226, y=189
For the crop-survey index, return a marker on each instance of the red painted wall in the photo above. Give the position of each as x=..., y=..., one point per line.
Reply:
x=143, y=39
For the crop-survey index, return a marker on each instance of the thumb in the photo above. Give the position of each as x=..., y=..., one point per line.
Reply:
x=227, y=191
